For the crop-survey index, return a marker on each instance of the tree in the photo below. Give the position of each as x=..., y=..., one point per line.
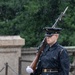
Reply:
x=27, y=18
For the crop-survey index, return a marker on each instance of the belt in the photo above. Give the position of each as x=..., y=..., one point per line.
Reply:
x=50, y=70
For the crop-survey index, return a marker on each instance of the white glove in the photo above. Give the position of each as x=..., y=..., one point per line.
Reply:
x=29, y=69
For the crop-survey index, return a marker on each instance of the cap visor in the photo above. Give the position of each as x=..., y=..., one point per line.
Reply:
x=48, y=35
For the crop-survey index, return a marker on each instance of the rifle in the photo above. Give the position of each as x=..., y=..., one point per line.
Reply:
x=32, y=66
x=40, y=49
x=30, y=69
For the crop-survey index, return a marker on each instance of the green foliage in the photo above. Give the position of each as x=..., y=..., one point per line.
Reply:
x=27, y=18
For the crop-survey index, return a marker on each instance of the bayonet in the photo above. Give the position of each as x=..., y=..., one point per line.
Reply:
x=59, y=18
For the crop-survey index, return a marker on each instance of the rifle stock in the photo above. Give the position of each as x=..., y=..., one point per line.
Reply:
x=40, y=49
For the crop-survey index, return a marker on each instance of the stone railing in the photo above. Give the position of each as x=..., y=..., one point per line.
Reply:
x=28, y=54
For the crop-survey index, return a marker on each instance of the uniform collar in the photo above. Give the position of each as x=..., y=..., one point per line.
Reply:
x=53, y=46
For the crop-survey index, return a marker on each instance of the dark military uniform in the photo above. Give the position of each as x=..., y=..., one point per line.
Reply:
x=53, y=61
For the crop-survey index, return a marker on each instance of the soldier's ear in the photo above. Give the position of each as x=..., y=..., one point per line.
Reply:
x=57, y=35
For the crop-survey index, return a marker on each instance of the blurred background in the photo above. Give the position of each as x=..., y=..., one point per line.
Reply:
x=27, y=18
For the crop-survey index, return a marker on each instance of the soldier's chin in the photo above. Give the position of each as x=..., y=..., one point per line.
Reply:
x=29, y=69
x=49, y=43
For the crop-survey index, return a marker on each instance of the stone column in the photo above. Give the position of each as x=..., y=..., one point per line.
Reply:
x=10, y=51
x=71, y=51
x=73, y=63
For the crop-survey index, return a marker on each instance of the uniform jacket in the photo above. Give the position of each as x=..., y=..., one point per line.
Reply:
x=53, y=57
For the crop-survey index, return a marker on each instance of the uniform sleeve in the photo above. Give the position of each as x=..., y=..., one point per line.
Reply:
x=64, y=63
x=38, y=69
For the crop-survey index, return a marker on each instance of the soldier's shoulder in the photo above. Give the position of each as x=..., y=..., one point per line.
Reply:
x=61, y=48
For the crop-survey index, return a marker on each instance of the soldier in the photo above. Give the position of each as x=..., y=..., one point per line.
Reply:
x=54, y=59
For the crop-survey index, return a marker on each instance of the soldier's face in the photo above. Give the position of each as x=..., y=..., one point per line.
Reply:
x=51, y=40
